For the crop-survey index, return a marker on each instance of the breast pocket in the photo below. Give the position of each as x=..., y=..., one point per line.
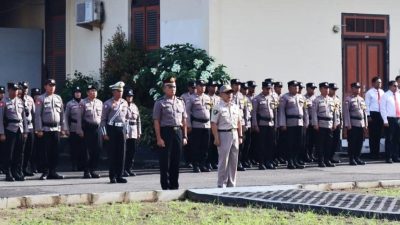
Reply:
x=99, y=110
x=197, y=106
x=58, y=107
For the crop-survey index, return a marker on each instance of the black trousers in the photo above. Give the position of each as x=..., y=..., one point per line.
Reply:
x=37, y=154
x=93, y=148
x=14, y=152
x=266, y=144
x=2, y=153
x=212, y=157
x=200, y=142
x=311, y=137
x=355, y=138
x=49, y=155
x=242, y=146
x=281, y=144
x=253, y=147
x=336, y=142
x=293, y=136
x=375, y=132
x=28, y=150
x=324, y=143
x=116, y=151
x=77, y=150
x=188, y=152
x=393, y=138
x=247, y=135
x=131, y=146
x=170, y=157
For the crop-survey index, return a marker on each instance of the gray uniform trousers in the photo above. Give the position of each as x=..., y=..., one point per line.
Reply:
x=228, y=153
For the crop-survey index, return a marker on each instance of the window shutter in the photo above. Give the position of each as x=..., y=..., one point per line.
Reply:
x=55, y=49
x=138, y=26
x=152, y=27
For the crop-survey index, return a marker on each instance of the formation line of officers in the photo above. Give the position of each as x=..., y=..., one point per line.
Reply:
x=214, y=127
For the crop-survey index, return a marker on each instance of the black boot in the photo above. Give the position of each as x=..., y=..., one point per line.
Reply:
x=291, y=165
x=9, y=176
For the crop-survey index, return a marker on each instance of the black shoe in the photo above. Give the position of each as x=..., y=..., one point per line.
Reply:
x=55, y=176
x=189, y=165
x=335, y=161
x=241, y=168
x=205, y=169
x=329, y=164
x=94, y=174
x=300, y=162
x=352, y=162
x=215, y=166
x=9, y=178
x=396, y=160
x=299, y=166
x=359, y=161
x=44, y=176
x=321, y=164
x=282, y=161
x=270, y=166
x=131, y=173
x=121, y=180
x=113, y=180
x=291, y=166
x=28, y=173
x=246, y=165
x=307, y=159
x=389, y=161
x=196, y=169
x=19, y=178
x=125, y=174
x=86, y=175
x=261, y=167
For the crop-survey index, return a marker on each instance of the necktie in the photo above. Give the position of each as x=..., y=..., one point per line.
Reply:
x=379, y=100
x=397, y=105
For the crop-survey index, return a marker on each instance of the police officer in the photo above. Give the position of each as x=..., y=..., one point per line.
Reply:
x=310, y=137
x=292, y=118
x=134, y=130
x=240, y=101
x=250, y=138
x=263, y=123
x=2, y=92
x=336, y=142
x=13, y=130
x=251, y=85
x=198, y=124
x=212, y=159
x=49, y=122
x=279, y=148
x=73, y=126
x=278, y=88
x=324, y=122
x=169, y=117
x=301, y=87
x=113, y=124
x=91, y=112
x=35, y=159
x=188, y=152
x=29, y=109
x=227, y=131
x=356, y=123
x=247, y=129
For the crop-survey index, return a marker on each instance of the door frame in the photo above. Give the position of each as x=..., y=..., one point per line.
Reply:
x=366, y=37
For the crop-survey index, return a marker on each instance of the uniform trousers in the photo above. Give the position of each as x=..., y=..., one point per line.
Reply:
x=116, y=151
x=266, y=144
x=78, y=150
x=355, y=137
x=393, y=137
x=93, y=148
x=247, y=139
x=324, y=144
x=228, y=153
x=131, y=146
x=14, y=154
x=199, y=145
x=169, y=157
x=51, y=141
x=28, y=149
x=336, y=142
x=375, y=132
x=293, y=136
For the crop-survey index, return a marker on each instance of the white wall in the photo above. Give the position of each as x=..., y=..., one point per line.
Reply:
x=291, y=39
x=184, y=21
x=83, y=45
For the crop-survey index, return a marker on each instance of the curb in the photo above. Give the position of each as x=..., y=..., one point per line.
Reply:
x=160, y=195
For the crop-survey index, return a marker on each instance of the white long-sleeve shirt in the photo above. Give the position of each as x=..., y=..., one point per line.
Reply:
x=388, y=105
x=372, y=99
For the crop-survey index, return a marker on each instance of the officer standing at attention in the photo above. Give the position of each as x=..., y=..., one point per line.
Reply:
x=212, y=159
x=250, y=138
x=35, y=159
x=134, y=130
x=311, y=137
x=113, y=128
x=169, y=117
x=263, y=123
x=198, y=108
x=2, y=92
x=29, y=109
x=279, y=148
x=336, y=141
x=49, y=122
x=356, y=123
x=375, y=122
x=13, y=130
x=91, y=112
x=324, y=122
x=73, y=126
x=243, y=153
x=188, y=152
x=292, y=118
x=227, y=131
x=239, y=100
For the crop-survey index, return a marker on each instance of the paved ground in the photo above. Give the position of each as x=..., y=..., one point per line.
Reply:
x=149, y=180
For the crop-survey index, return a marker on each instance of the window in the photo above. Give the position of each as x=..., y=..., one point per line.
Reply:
x=145, y=16
x=364, y=25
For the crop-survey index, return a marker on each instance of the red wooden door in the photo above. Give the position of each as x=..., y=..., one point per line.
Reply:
x=362, y=61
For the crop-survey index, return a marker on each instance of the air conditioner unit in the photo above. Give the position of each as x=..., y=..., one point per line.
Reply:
x=88, y=12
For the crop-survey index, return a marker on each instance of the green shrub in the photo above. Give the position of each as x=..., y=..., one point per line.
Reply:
x=74, y=80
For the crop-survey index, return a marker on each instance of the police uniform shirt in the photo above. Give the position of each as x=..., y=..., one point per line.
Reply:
x=49, y=114
x=29, y=105
x=323, y=112
x=185, y=96
x=72, y=116
x=114, y=113
x=134, y=125
x=240, y=101
x=264, y=110
x=91, y=111
x=12, y=113
x=226, y=115
x=338, y=110
x=354, y=112
x=198, y=108
x=292, y=111
x=248, y=111
x=309, y=102
x=215, y=99
x=169, y=111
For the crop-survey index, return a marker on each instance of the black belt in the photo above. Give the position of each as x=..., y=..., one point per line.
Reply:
x=227, y=130
x=172, y=127
x=13, y=121
x=356, y=118
x=294, y=117
x=199, y=120
x=264, y=118
x=325, y=118
x=50, y=124
x=132, y=123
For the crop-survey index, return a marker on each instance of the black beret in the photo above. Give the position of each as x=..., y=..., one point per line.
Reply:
x=235, y=81
x=244, y=85
x=12, y=86
x=324, y=84
x=293, y=83
x=128, y=92
x=269, y=80
x=251, y=83
x=355, y=85
x=333, y=86
x=212, y=83
x=50, y=82
x=278, y=84
x=301, y=85
x=266, y=84
x=35, y=91
x=190, y=83
x=311, y=85
x=77, y=89
x=201, y=82
x=2, y=90
x=23, y=85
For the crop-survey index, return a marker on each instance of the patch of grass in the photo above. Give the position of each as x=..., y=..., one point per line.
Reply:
x=171, y=213
x=386, y=192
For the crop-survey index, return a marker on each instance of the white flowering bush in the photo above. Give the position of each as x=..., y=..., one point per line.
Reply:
x=182, y=61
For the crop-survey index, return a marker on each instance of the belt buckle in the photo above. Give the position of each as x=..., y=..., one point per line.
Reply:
x=176, y=128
